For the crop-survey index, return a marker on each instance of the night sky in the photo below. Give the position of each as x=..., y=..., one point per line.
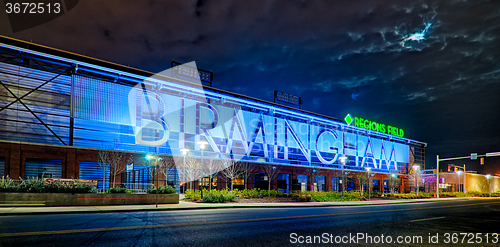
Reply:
x=429, y=67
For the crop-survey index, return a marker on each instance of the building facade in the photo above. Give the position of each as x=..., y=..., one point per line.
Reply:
x=455, y=182
x=58, y=110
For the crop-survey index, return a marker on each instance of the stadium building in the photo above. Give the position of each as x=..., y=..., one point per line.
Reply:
x=59, y=110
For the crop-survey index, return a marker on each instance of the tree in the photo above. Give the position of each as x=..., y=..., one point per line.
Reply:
x=247, y=169
x=271, y=172
x=415, y=178
x=362, y=178
x=189, y=170
x=117, y=163
x=393, y=180
x=164, y=163
x=231, y=169
x=102, y=159
x=210, y=168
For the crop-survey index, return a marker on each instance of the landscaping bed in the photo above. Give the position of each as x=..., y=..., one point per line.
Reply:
x=87, y=199
x=75, y=192
x=264, y=196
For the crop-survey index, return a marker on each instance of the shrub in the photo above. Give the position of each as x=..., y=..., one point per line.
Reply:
x=327, y=196
x=195, y=196
x=162, y=190
x=258, y=193
x=118, y=190
x=304, y=198
x=215, y=196
x=37, y=185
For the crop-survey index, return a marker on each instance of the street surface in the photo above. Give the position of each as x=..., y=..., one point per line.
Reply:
x=412, y=224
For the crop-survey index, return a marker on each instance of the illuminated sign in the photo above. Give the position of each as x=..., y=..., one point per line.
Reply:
x=372, y=125
x=170, y=117
x=232, y=131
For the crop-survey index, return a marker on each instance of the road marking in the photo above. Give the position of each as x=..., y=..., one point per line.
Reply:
x=124, y=228
x=435, y=218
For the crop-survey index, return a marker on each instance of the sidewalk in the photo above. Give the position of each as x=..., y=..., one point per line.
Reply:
x=183, y=205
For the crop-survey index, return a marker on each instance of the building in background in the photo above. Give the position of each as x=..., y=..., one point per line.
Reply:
x=456, y=182
x=58, y=110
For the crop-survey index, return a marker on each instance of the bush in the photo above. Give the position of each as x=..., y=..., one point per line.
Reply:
x=495, y=194
x=327, y=196
x=162, y=190
x=37, y=185
x=304, y=198
x=258, y=193
x=195, y=196
x=118, y=190
x=215, y=196
x=411, y=195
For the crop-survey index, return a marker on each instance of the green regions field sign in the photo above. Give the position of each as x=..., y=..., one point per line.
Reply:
x=371, y=125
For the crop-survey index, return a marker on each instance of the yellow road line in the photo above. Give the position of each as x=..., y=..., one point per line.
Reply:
x=20, y=234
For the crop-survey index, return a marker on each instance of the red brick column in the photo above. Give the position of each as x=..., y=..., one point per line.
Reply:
x=69, y=164
x=14, y=162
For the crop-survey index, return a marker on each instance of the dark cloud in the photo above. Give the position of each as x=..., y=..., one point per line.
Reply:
x=430, y=67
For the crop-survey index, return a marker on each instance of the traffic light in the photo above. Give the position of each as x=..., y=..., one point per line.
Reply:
x=482, y=160
x=449, y=168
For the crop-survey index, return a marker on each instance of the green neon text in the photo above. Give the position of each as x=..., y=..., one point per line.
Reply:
x=371, y=125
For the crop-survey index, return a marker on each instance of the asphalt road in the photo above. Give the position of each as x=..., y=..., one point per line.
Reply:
x=412, y=224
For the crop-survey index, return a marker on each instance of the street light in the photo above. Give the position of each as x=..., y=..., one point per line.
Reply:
x=342, y=161
x=202, y=147
x=369, y=191
x=488, y=180
x=393, y=182
x=416, y=171
x=184, y=151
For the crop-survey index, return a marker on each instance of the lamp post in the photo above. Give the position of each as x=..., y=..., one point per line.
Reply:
x=314, y=179
x=369, y=178
x=202, y=147
x=342, y=162
x=416, y=181
x=184, y=151
x=393, y=182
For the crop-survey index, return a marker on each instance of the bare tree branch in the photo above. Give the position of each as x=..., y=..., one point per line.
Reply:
x=210, y=168
x=248, y=169
x=271, y=172
x=118, y=163
x=102, y=159
x=231, y=169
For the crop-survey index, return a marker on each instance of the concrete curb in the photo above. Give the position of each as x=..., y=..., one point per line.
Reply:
x=166, y=207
